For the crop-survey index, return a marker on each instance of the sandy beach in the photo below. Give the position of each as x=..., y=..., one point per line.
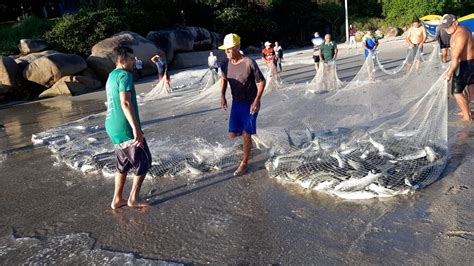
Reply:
x=52, y=213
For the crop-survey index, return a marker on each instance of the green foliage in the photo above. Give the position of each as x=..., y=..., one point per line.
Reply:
x=400, y=13
x=12, y=33
x=242, y=22
x=365, y=23
x=78, y=33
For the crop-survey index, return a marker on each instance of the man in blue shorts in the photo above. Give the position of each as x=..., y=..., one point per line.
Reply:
x=241, y=73
x=122, y=124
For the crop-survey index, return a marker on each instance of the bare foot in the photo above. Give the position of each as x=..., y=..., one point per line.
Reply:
x=118, y=203
x=241, y=170
x=138, y=204
x=468, y=119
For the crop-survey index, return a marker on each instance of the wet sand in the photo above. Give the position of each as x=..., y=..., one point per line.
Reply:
x=226, y=219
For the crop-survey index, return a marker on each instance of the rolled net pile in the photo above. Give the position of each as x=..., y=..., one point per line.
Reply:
x=381, y=135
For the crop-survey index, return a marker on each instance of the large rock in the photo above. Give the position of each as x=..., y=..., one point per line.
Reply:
x=359, y=35
x=71, y=85
x=185, y=39
x=48, y=69
x=101, y=59
x=23, y=61
x=27, y=46
x=393, y=32
x=10, y=74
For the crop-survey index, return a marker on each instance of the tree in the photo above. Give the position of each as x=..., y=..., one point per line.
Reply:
x=401, y=12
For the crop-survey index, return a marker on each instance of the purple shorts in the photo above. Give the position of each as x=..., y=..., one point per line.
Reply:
x=133, y=157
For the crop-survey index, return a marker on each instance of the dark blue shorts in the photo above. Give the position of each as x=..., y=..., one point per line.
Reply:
x=241, y=120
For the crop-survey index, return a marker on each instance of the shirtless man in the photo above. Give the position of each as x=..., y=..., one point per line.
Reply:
x=462, y=63
x=416, y=37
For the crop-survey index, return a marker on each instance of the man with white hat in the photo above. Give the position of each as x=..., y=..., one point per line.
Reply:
x=241, y=73
x=462, y=62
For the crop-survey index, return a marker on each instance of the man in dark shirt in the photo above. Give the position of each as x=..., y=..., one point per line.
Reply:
x=352, y=37
x=443, y=39
x=241, y=73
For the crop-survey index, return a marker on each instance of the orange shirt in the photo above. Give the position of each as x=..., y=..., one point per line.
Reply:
x=268, y=55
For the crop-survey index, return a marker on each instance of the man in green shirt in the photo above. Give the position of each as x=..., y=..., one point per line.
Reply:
x=122, y=124
x=328, y=50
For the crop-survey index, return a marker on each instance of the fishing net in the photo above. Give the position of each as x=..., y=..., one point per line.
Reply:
x=383, y=134
x=326, y=78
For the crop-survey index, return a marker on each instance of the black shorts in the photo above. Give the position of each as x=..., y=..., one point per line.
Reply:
x=442, y=45
x=411, y=53
x=316, y=58
x=463, y=76
x=133, y=157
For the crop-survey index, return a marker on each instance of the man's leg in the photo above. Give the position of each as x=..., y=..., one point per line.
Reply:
x=247, y=139
x=134, y=198
x=444, y=55
x=463, y=105
x=118, y=200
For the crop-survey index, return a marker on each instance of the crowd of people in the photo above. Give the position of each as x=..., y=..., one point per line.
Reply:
x=247, y=84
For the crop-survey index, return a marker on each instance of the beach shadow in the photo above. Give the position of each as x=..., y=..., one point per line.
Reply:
x=458, y=151
x=217, y=177
x=227, y=176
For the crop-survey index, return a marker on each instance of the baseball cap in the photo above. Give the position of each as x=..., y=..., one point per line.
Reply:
x=448, y=20
x=268, y=43
x=230, y=40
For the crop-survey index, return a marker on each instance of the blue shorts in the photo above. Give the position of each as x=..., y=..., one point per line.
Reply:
x=241, y=120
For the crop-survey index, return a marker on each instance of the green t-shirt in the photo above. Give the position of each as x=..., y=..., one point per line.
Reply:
x=328, y=50
x=116, y=124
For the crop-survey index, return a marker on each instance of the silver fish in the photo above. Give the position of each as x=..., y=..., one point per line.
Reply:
x=357, y=195
x=358, y=184
x=430, y=154
x=340, y=161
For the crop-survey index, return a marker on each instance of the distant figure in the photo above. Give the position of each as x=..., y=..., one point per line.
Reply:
x=268, y=54
x=317, y=41
x=162, y=67
x=370, y=43
x=462, y=63
x=416, y=38
x=139, y=67
x=241, y=73
x=279, y=56
x=269, y=58
x=122, y=124
x=443, y=39
x=212, y=62
x=352, y=37
x=328, y=50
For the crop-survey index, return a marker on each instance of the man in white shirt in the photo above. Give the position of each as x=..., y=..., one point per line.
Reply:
x=139, y=67
x=212, y=62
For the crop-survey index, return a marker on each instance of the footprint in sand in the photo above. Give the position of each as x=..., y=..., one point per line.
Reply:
x=456, y=189
x=460, y=233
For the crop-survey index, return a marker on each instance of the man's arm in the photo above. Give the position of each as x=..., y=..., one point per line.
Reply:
x=424, y=36
x=455, y=52
x=408, y=38
x=127, y=108
x=256, y=103
x=335, y=54
x=223, y=91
